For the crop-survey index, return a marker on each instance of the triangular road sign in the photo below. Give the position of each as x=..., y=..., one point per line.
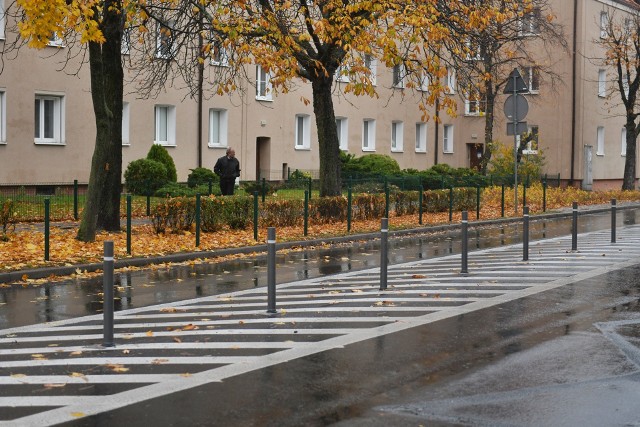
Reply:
x=516, y=83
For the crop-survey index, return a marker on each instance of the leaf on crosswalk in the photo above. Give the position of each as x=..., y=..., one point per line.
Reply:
x=334, y=292
x=159, y=361
x=189, y=327
x=53, y=345
x=149, y=333
x=356, y=291
x=75, y=353
x=418, y=276
x=115, y=367
x=127, y=336
x=241, y=322
x=387, y=303
x=18, y=375
x=79, y=375
x=176, y=339
x=186, y=375
x=171, y=310
x=38, y=356
x=78, y=414
x=54, y=385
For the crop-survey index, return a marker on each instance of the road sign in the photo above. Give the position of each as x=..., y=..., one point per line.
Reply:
x=516, y=105
x=516, y=83
x=520, y=128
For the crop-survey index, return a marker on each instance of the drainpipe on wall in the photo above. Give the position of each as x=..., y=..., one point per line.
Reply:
x=573, y=92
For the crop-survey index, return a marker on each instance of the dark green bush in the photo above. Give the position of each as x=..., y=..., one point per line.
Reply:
x=173, y=189
x=370, y=164
x=238, y=211
x=202, y=176
x=212, y=214
x=298, y=174
x=175, y=214
x=160, y=154
x=145, y=177
x=251, y=186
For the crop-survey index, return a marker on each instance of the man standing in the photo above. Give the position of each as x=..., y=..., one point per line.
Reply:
x=228, y=169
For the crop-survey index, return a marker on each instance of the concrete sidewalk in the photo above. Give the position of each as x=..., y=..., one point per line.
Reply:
x=59, y=372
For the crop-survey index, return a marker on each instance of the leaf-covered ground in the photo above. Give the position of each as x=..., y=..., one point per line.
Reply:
x=25, y=246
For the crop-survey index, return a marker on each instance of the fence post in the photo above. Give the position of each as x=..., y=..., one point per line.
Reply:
x=306, y=212
x=46, y=228
x=198, y=218
x=502, y=202
x=128, y=224
x=310, y=182
x=349, y=207
x=450, y=204
x=613, y=220
x=544, y=194
x=524, y=195
x=264, y=189
x=477, y=202
x=255, y=215
x=525, y=233
x=384, y=235
x=107, y=289
x=465, y=243
x=574, y=227
x=75, y=199
x=271, y=270
x=420, y=199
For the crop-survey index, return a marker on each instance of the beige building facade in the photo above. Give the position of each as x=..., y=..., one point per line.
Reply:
x=47, y=128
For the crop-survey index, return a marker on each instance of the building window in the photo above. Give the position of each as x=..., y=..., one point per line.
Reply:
x=55, y=40
x=531, y=22
x=451, y=81
x=165, y=125
x=604, y=25
x=397, y=136
x=532, y=76
x=165, y=42
x=473, y=51
x=302, y=132
x=475, y=103
x=125, y=124
x=263, y=84
x=532, y=144
x=623, y=142
x=371, y=65
x=602, y=83
x=600, y=141
x=217, y=128
x=625, y=85
x=421, y=137
x=3, y=117
x=342, y=73
x=49, y=119
x=425, y=81
x=2, y=19
x=342, y=124
x=447, y=139
x=219, y=55
x=398, y=76
x=125, y=45
x=369, y=135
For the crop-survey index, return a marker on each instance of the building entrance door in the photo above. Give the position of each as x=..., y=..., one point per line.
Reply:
x=474, y=151
x=263, y=154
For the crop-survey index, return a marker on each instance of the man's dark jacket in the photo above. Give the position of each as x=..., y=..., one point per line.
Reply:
x=227, y=167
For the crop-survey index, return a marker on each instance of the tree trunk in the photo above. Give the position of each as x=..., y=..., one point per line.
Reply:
x=629, y=177
x=490, y=97
x=328, y=145
x=102, y=208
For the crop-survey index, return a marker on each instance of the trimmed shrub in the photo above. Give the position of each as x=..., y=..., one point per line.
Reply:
x=298, y=174
x=406, y=202
x=144, y=177
x=7, y=217
x=281, y=213
x=174, y=214
x=202, y=176
x=368, y=206
x=371, y=164
x=173, y=189
x=238, y=211
x=464, y=198
x=160, y=154
x=251, y=186
x=212, y=214
x=328, y=209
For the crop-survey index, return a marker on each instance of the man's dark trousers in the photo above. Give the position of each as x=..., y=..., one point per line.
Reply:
x=227, y=185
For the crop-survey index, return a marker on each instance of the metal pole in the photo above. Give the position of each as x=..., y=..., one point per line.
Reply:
x=271, y=270
x=525, y=233
x=349, y=213
x=198, y=218
x=107, y=284
x=420, y=198
x=478, y=202
x=46, y=228
x=128, y=224
x=502, y=203
x=75, y=199
x=465, y=243
x=384, y=235
x=255, y=215
x=613, y=220
x=515, y=145
x=450, y=204
x=544, y=195
x=574, y=228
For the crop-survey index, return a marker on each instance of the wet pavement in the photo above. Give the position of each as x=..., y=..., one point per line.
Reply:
x=81, y=296
x=552, y=341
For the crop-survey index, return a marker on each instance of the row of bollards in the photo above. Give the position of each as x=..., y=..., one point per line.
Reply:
x=108, y=282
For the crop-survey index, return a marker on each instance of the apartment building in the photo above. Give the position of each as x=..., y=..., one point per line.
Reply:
x=47, y=128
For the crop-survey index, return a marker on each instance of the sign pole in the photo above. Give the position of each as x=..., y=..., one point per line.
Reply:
x=515, y=146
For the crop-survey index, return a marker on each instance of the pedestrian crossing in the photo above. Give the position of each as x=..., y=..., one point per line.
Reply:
x=58, y=372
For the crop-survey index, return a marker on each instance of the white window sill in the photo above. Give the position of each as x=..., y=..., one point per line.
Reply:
x=369, y=149
x=447, y=152
x=49, y=143
x=126, y=144
x=474, y=114
x=600, y=154
x=262, y=98
x=302, y=148
x=165, y=144
x=210, y=145
x=621, y=155
x=421, y=151
x=397, y=150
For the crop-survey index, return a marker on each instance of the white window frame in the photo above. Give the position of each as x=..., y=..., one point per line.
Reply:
x=447, y=139
x=600, y=141
x=302, y=132
x=529, y=149
x=425, y=81
x=623, y=142
x=3, y=20
x=58, y=119
x=218, y=120
x=342, y=124
x=125, y=44
x=625, y=85
x=126, y=113
x=470, y=49
x=162, y=39
x=170, y=110
x=55, y=40
x=219, y=55
x=371, y=64
x=397, y=136
x=604, y=24
x=398, y=73
x=342, y=74
x=532, y=74
x=602, y=83
x=421, y=137
x=531, y=22
x=3, y=117
x=451, y=81
x=263, y=85
x=369, y=135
